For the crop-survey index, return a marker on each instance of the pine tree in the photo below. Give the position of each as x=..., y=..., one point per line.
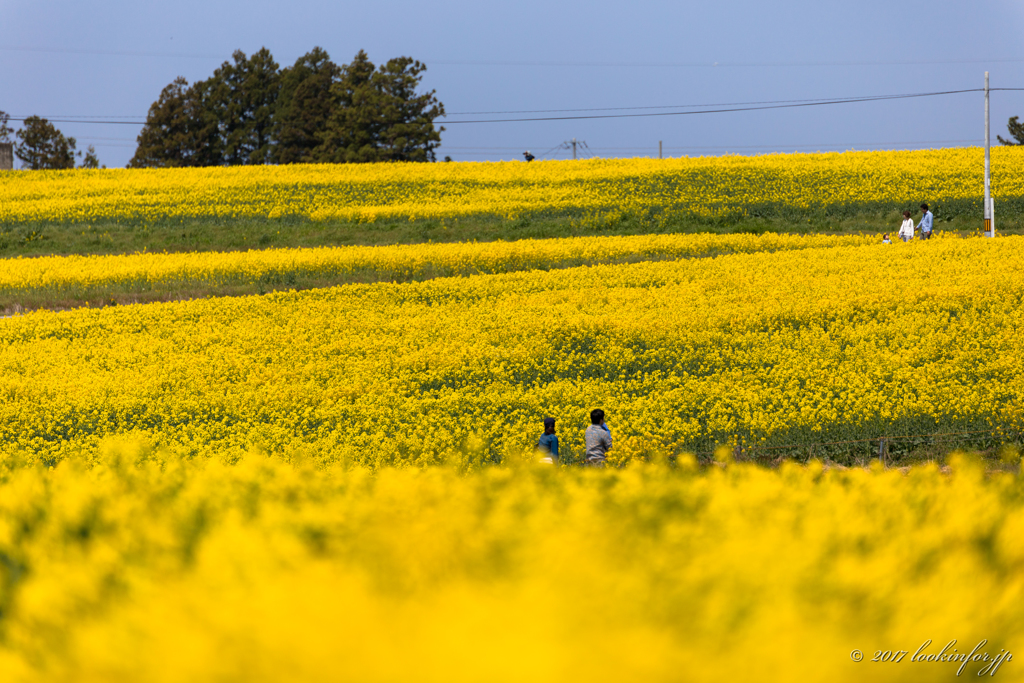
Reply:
x=261, y=87
x=205, y=139
x=407, y=131
x=379, y=115
x=165, y=140
x=182, y=129
x=250, y=112
x=305, y=104
x=244, y=94
x=353, y=127
x=1016, y=130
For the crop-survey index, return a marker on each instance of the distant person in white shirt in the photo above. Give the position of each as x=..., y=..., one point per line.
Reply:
x=907, y=229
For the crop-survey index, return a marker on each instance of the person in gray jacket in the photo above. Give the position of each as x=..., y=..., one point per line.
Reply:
x=598, y=439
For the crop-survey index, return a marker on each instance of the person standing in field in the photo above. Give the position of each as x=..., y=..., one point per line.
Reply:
x=598, y=439
x=926, y=223
x=907, y=229
x=548, y=443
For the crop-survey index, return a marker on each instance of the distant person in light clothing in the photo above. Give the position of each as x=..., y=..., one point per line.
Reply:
x=926, y=223
x=907, y=229
x=598, y=439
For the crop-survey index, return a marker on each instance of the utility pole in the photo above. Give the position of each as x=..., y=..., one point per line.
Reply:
x=574, y=143
x=659, y=149
x=990, y=227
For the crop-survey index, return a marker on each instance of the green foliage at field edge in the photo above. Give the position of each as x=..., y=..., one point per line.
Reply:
x=125, y=237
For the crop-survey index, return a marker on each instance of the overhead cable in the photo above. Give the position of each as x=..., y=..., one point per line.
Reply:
x=779, y=104
x=818, y=103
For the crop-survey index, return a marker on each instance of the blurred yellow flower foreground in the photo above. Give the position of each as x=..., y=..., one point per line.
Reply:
x=268, y=536
x=133, y=565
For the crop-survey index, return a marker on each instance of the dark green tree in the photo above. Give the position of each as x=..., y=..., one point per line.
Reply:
x=250, y=112
x=379, y=116
x=165, y=140
x=5, y=130
x=205, y=135
x=1016, y=130
x=305, y=104
x=182, y=128
x=90, y=160
x=354, y=126
x=42, y=146
x=244, y=94
x=408, y=132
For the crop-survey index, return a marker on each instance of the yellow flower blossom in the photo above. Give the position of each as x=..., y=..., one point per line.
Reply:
x=780, y=350
x=769, y=185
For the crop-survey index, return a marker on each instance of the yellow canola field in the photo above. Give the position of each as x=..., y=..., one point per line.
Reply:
x=87, y=275
x=133, y=566
x=787, y=349
x=703, y=186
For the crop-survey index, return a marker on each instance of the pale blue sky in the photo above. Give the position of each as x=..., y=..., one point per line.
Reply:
x=105, y=59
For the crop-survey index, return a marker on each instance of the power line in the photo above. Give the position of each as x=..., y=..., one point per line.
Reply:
x=55, y=120
x=715, y=65
x=682, y=107
x=594, y=152
x=877, y=98
x=521, y=147
x=93, y=137
x=783, y=145
x=544, y=154
x=805, y=103
x=766, y=104
x=668, y=106
x=536, y=111
x=55, y=117
x=105, y=53
x=836, y=144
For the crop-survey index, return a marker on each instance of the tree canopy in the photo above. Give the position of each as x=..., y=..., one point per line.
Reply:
x=244, y=93
x=252, y=112
x=166, y=138
x=41, y=146
x=379, y=116
x=305, y=104
x=1016, y=131
x=90, y=160
x=226, y=119
x=5, y=130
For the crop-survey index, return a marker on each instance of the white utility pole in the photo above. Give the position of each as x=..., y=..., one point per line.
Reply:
x=990, y=227
x=574, y=143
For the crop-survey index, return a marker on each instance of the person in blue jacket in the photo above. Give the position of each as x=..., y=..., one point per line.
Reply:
x=548, y=443
x=925, y=226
